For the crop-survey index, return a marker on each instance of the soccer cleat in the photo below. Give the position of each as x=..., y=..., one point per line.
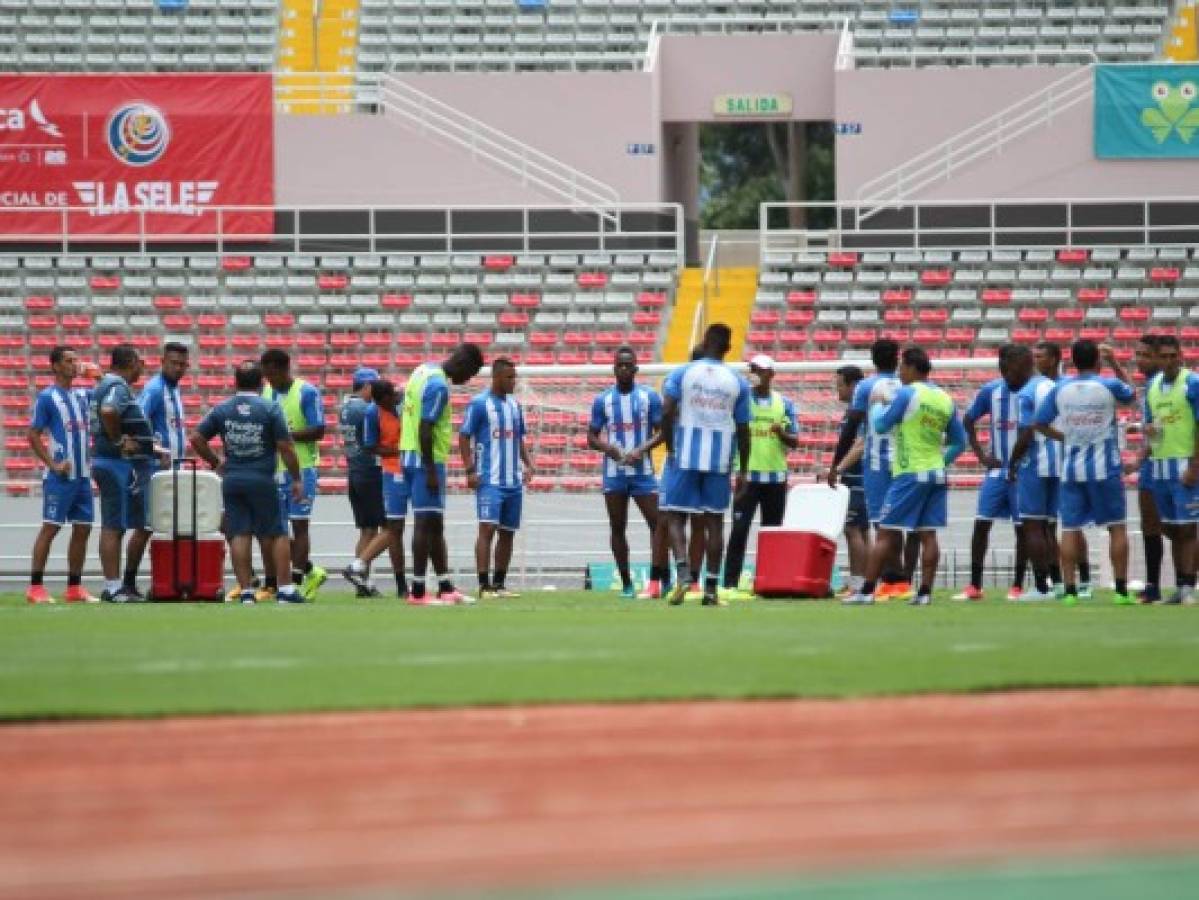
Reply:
x=1034, y=596
x=354, y=577
x=312, y=582
x=902, y=590
x=246, y=597
x=266, y=595
x=132, y=594
x=1124, y=600
x=628, y=593
x=694, y=592
x=488, y=593
x=713, y=600
x=1149, y=595
x=289, y=598
x=1085, y=592
x=735, y=594
x=454, y=597
x=1015, y=592
x=422, y=600
x=677, y=595
x=107, y=596
x=653, y=591
x=505, y=594
x=859, y=599
x=1069, y=599
x=37, y=594
x=367, y=592
x=77, y=593
x=233, y=594
x=970, y=592
x=921, y=600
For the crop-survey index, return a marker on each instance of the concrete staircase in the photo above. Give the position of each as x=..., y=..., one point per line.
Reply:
x=317, y=59
x=731, y=303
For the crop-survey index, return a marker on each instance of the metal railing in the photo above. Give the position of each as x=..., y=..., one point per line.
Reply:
x=388, y=95
x=915, y=57
x=985, y=139
x=632, y=227
x=711, y=283
x=967, y=224
x=845, y=48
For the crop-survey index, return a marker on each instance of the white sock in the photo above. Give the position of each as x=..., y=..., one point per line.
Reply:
x=113, y=586
x=287, y=589
x=358, y=566
x=856, y=582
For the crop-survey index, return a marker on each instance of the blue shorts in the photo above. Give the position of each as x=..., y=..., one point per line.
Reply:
x=289, y=508
x=699, y=492
x=914, y=504
x=1037, y=495
x=1098, y=503
x=424, y=503
x=857, y=516
x=1145, y=476
x=669, y=473
x=500, y=506
x=631, y=485
x=875, y=484
x=67, y=500
x=395, y=496
x=1176, y=503
x=997, y=498
x=124, y=492
x=252, y=507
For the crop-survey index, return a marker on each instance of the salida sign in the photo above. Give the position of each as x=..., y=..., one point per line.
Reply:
x=140, y=154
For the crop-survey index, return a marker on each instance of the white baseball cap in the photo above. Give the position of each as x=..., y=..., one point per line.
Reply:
x=762, y=361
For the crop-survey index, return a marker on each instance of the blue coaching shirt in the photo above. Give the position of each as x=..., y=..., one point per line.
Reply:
x=1083, y=409
x=112, y=392
x=351, y=420
x=713, y=400
x=64, y=414
x=1043, y=453
x=627, y=421
x=996, y=401
x=161, y=402
x=876, y=452
x=251, y=428
x=497, y=426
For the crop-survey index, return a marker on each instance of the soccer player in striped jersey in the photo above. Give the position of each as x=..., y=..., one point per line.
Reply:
x=1081, y=413
x=1151, y=524
x=997, y=402
x=625, y=419
x=705, y=420
x=162, y=405
x=492, y=445
x=1034, y=469
x=1171, y=408
x=61, y=412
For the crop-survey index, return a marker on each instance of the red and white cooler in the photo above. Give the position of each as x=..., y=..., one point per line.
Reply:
x=796, y=559
x=187, y=550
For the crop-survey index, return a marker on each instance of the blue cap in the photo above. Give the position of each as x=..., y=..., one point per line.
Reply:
x=365, y=376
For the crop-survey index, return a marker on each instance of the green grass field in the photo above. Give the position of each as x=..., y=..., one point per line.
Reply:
x=342, y=653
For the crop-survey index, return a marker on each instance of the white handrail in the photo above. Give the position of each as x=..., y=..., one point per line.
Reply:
x=845, y=48
x=535, y=167
x=699, y=319
x=982, y=139
x=652, y=45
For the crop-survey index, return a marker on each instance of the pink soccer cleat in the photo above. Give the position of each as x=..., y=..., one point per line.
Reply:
x=454, y=597
x=77, y=593
x=970, y=592
x=37, y=594
x=653, y=591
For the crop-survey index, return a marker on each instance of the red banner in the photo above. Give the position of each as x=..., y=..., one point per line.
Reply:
x=136, y=155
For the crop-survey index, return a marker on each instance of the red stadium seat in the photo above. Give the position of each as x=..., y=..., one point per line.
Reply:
x=1094, y=334
x=396, y=301
x=997, y=296
x=932, y=316
x=76, y=321
x=902, y=335
x=842, y=260
x=409, y=339
x=1033, y=315
x=344, y=339
x=593, y=279
x=333, y=282
x=609, y=339
x=801, y=318
x=827, y=336
x=105, y=282
x=1189, y=333
x=1073, y=257
x=801, y=298
x=760, y=339
x=927, y=336
x=1025, y=335
x=211, y=320
x=310, y=340
x=647, y=318
x=1092, y=295
x=236, y=263
x=764, y=317
x=538, y=358
x=42, y=323
x=642, y=338
x=572, y=358
x=480, y=338
x=651, y=299
x=898, y=316
x=178, y=322
x=1126, y=335
x=39, y=303
x=1164, y=274
x=376, y=339
x=279, y=320
x=525, y=301
x=897, y=296
x=514, y=319
x=498, y=263
x=544, y=338
x=936, y=277
x=1072, y=316
x=1059, y=335
x=444, y=341
x=167, y=302
x=861, y=337
x=247, y=341
x=577, y=338
x=1134, y=314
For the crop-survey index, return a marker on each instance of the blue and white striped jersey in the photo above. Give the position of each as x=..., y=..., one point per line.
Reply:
x=627, y=421
x=713, y=400
x=1043, y=453
x=996, y=402
x=64, y=414
x=163, y=405
x=497, y=426
x=1083, y=409
x=876, y=454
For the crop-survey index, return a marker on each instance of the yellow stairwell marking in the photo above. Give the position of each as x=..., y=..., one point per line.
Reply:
x=330, y=49
x=731, y=304
x=1183, y=43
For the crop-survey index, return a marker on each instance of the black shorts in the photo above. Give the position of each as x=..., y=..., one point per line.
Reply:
x=857, y=517
x=366, y=500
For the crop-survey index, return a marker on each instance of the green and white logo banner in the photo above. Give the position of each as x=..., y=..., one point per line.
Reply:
x=1147, y=112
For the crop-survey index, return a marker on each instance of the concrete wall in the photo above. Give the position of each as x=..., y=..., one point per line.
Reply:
x=904, y=112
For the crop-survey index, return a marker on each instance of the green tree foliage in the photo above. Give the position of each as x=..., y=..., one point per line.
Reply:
x=745, y=164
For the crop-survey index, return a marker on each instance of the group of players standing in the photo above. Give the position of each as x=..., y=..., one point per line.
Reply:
x=1053, y=454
